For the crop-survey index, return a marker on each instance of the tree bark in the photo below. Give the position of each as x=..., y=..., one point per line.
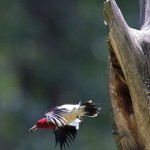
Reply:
x=129, y=77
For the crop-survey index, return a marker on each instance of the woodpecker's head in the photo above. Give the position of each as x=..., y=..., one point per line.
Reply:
x=42, y=123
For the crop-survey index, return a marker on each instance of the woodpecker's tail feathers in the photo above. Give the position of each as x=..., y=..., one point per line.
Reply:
x=90, y=109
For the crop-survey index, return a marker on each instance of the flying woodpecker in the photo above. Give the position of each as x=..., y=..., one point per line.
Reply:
x=65, y=119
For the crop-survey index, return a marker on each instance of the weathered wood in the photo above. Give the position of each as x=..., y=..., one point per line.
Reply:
x=129, y=77
x=144, y=6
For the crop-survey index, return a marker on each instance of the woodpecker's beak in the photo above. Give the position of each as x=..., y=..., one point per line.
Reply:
x=33, y=128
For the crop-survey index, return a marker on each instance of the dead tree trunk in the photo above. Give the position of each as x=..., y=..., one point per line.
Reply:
x=129, y=77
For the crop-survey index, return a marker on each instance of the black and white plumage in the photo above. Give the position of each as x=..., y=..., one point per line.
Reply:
x=65, y=119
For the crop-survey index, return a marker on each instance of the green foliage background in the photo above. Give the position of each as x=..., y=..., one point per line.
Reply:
x=54, y=52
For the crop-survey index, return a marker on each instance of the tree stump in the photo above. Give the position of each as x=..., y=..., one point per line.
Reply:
x=129, y=77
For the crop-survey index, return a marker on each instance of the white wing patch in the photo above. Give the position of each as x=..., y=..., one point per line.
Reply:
x=69, y=107
x=75, y=123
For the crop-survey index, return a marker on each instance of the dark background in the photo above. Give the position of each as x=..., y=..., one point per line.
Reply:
x=54, y=52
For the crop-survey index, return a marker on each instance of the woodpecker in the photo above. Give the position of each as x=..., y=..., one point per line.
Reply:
x=65, y=119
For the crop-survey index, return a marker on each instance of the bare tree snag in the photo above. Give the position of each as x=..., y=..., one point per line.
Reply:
x=129, y=77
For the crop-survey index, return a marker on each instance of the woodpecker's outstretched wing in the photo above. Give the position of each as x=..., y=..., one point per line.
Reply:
x=65, y=135
x=65, y=131
x=55, y=116
x=71, y=114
